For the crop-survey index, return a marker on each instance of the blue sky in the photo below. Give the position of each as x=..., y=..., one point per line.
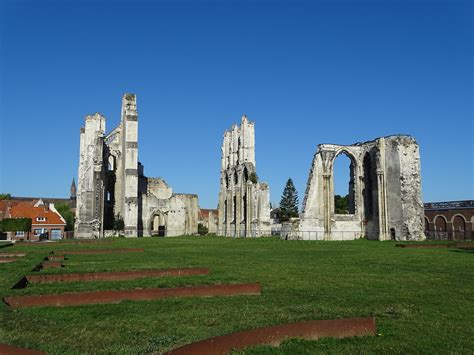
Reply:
x=307, y=72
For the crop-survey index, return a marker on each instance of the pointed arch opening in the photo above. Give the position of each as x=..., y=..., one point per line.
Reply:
x=344, y=183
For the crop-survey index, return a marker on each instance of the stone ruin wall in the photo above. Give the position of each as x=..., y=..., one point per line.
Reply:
x=112, y=184
x=385, y=192
x=244, y=203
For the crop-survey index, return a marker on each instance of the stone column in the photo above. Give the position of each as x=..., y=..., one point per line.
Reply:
x=327, y=205
x=130, y=159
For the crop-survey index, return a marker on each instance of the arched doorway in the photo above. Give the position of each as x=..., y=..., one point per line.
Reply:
x=159, y=224
x=459, y=227
x=441, y=229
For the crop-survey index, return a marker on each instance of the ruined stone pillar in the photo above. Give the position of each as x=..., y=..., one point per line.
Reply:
x=327, y=205
x=238, y=212
x=130, y=164
x=229, y=212
x=382, y=191
x=90, y=179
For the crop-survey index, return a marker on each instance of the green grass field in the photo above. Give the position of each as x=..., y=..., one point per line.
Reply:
x=423, y=299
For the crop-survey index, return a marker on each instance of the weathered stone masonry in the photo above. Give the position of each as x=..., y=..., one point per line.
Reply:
x=244, y=203
x=112, y=184
x=384, y=192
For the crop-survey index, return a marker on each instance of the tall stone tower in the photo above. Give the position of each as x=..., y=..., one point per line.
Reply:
x=130, y=164
x=244, y=203
x=90, y=191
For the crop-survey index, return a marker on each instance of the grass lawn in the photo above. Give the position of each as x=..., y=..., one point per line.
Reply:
x=423, y=299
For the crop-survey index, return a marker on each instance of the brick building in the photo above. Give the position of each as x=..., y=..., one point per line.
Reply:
x=450, y=220
x=45, y=219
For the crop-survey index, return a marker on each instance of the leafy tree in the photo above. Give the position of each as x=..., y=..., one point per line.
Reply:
x=202, y=229
x=65, y=211
x=15, y=224
x=341, y=204
x=5, y=197
x=289, y=202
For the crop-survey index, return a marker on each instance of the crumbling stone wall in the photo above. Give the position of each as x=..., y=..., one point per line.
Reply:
x=112, y=185
x=384, y=192
x=244, y=203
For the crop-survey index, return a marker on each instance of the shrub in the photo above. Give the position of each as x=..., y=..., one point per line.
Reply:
x=15, y=224
x=202, y=229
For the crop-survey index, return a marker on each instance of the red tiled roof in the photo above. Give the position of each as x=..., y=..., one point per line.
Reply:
x=28, y=210
x=5, y=207
x=205, y=212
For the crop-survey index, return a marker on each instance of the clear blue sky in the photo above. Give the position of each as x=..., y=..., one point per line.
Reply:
x=307, y=72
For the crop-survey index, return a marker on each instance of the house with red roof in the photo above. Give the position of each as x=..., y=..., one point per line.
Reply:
x=45, y=219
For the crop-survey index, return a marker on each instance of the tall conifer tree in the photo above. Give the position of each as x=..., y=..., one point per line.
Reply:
x=289, y=202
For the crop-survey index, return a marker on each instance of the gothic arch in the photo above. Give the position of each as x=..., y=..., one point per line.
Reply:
x=159, y=223
x=352, y=194
x=441, y=224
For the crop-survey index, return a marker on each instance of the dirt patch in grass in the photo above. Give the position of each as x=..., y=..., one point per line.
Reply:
x=13, y=350
x=117, y=296
x=275, y=335
x=115, y=276
x=100, y=251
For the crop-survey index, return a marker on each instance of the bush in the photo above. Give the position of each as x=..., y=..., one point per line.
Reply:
x=253, y=177
x=15, y=224
x=202, y=229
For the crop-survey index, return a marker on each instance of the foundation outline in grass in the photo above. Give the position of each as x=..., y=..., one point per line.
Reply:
x=117, y=296
x=275, y=335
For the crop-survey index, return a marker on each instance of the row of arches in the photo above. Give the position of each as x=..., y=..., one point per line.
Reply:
x=440, y=224
x=234, y=178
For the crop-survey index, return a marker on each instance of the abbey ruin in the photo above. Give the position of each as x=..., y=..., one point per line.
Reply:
x=244, y=203
x=112, y=189
x=113, y=192
x=384, y=192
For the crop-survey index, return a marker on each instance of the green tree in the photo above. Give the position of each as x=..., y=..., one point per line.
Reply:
x=5, y=197
x=15, y=224
x=289, y=202
x=341, y=204
x=202, y=229
x=65, y=211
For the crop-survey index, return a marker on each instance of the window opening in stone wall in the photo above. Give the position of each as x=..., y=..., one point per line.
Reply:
x=343, y=174
x=368, y=186
x=111, y=163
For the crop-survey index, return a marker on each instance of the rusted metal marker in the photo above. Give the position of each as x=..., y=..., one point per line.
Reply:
x=98, y=251
x=117, y=296
x=12, y=255
x=115, y=275
x=275, y=335
x=7, y=260
x=13, y=350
